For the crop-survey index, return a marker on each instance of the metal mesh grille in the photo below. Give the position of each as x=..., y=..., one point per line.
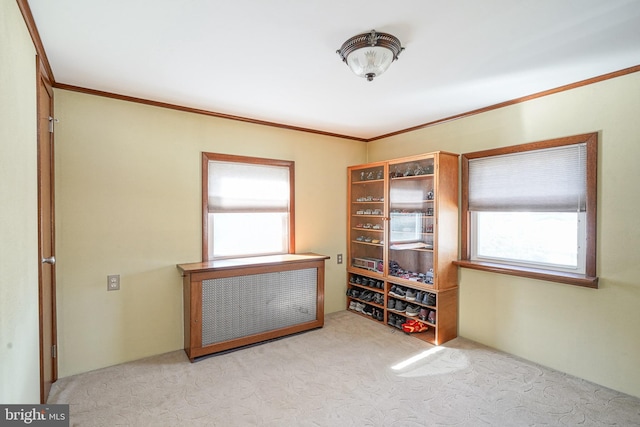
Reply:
x=234, y=307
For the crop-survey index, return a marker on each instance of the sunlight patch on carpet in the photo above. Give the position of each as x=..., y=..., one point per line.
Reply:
x=435, y=361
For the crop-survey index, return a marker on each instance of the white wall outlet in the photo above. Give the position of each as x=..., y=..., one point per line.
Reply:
x=339, y=258
x=113, y=282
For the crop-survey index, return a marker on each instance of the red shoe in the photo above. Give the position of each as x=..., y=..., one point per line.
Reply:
x=414, y=326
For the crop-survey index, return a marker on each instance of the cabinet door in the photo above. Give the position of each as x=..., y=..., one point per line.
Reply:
x=412, y=220
x=367, y=218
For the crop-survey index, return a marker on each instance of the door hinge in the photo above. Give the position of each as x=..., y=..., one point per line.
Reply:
x=51, y=122
x=54, y=351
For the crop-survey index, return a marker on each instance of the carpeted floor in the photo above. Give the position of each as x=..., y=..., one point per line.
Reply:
x=352, y=372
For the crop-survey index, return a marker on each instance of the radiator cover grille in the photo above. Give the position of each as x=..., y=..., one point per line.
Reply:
x=235, y=307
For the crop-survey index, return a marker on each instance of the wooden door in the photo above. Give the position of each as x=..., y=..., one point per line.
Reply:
x=46, y=244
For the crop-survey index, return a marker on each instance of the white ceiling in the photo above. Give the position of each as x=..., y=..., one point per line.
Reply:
x=276, y=61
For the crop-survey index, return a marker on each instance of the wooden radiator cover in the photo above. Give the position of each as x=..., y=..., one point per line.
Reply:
x=234, y=303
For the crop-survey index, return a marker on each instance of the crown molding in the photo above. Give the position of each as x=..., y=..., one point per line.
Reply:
x=35, y=36
x=199, y=111
x=23, y=5
x=515, y=101
x=563, y=88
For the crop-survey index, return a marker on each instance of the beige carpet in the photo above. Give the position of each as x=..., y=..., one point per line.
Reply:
x=342, y=375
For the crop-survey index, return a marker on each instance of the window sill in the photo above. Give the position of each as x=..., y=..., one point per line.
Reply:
x=532, y=273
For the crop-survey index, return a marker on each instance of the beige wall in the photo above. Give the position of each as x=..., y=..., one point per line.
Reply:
x=593, y=334
x=128, y=202
x=19, y=363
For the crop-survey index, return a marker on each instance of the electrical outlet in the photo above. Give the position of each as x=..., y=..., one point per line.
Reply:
x=339, y=258
x=113, y=282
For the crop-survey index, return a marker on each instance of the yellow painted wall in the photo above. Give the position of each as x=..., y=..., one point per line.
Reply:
x=593, y=334
x=128, y=194
x=19, y=349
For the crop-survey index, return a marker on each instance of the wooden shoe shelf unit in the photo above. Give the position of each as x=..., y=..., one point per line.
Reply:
x=403, y=232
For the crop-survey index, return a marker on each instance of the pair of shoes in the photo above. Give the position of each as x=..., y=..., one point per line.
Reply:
x=366, y=296
x=410, y=295
x=359, y=307
x=431, y=317
x=397, y=291
x=399, y=306
x=352, y=305
x=378, y=314
x=374, y=283
x=429, y=299
x=366, y=281
x=378, y=298
x=354, y=292
x=395, y=320
x=368, y=310
x=412, y=310
x=414, y=326
x=391, y=320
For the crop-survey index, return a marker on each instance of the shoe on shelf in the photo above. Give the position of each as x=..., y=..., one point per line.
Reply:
x=413, y=326
x=401, y=306
x=397, y=291
x=399, y=321
x=431, y=300
x=391, y=304
x=368, y=310
x=352, y=305
x=423, y=313
x=391, y=320
x=412, y=310
x=431, y=317
x=359, y=307
x=410, y=295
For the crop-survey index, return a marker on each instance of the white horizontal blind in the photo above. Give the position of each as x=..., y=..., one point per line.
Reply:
x=545, y=180
x=245, y=187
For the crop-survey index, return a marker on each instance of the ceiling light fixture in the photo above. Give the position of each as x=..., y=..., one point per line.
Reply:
x=370, y=54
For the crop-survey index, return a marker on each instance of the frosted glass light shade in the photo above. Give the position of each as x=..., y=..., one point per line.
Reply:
x=370, y=54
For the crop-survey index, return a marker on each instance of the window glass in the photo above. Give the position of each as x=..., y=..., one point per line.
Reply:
x=550, y=239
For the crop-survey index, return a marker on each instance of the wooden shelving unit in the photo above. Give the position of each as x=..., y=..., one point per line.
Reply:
x=403, y=234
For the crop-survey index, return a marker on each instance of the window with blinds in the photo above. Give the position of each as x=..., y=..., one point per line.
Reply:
x=247, y=206
x=532, y=206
